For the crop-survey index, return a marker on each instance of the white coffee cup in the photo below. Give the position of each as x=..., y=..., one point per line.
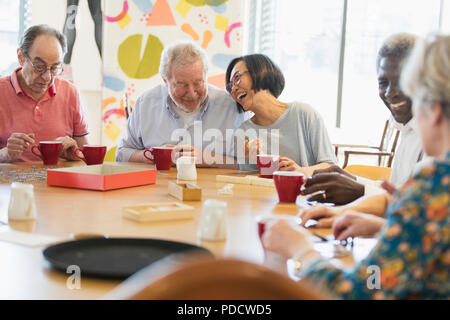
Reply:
x=213, y=222
x=22, y=205
x=186, y=168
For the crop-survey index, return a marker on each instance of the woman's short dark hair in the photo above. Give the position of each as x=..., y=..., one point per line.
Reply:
x=265, y=74
x=33, y=32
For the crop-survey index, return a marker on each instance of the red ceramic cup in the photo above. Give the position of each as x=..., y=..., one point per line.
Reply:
x=91, y=154
x=288, y=184
x=49, y=151
x=262, y=225
x=161, y=156
x=264, y=219
x=267, y=165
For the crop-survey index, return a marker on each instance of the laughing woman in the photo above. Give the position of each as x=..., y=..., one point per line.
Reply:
x=294, y=131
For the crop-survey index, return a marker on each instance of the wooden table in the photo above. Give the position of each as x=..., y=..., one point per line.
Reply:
x=63, y=212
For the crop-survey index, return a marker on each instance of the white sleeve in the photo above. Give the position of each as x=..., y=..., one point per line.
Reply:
x=371, y=187
x=425, y=162
x=132, y=139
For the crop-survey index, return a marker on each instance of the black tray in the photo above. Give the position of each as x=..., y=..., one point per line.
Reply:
x=116, y=258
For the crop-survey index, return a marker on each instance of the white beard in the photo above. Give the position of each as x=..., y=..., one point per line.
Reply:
x=179, y=105
x=182, y=107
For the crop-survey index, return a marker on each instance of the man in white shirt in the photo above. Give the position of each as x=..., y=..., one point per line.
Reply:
x=340, y=187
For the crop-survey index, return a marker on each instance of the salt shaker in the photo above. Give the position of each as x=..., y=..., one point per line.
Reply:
x=22, y=205
x=213, y=222
x=186, y=168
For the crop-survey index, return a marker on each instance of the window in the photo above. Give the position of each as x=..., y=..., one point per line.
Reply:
x=369, y=23
x=327, y=52
x=12, y=27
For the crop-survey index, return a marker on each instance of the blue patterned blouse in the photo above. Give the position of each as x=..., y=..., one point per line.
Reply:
x=413, y=252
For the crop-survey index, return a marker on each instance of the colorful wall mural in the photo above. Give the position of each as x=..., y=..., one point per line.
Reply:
x=135, y=34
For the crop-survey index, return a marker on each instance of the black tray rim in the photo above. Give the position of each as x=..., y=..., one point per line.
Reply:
x=62, y=266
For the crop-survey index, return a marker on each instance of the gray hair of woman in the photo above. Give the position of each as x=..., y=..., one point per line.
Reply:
x=426, y=75
x=182, y=53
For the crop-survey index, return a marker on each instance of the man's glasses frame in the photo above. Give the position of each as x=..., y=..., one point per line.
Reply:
x=184, y=86
x=55, y=70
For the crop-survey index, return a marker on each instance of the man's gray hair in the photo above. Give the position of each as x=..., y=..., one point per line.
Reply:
x=34, y=31
x=397, y=45
x=426, y=74
x=181, y=53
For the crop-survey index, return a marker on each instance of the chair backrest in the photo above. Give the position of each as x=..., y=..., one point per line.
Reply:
x=384, y=136
x=389, y=142
x=222, y=279
x=370, y=172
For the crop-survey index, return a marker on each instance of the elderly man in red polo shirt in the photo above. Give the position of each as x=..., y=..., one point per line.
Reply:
x=35, y=104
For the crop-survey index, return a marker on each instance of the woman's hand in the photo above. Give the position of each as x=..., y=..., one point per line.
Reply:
x=324, y=215
x=282, y=238
x=356, y=224
x=253, y=148
x=287, y=164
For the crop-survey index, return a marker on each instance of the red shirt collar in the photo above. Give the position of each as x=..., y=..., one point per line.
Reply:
x=16, y=85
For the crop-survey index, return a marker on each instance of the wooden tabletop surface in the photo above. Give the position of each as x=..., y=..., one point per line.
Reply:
x=64, y=212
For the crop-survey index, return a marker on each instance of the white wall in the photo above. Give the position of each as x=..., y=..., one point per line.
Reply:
x=86, y=62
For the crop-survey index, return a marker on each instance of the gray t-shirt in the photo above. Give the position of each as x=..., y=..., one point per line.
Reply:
x=299, y=134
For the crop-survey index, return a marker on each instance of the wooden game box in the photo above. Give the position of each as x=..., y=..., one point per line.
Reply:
x=159, y=211
x=185, y=191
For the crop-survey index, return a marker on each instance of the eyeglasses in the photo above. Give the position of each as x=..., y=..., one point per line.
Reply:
x=40, y=69
x=235, y=81
x=181, y=86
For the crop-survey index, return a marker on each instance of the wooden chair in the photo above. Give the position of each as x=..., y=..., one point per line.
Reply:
x=370, y=172
x=211, y=279
x=385, y=150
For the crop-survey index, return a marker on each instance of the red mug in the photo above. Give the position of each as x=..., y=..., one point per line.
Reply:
x=267, y=165
x=91, y=154
x=49, y=151
x=264, y=219
x=288, y=184
x=262, y=225
x=161, y=156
